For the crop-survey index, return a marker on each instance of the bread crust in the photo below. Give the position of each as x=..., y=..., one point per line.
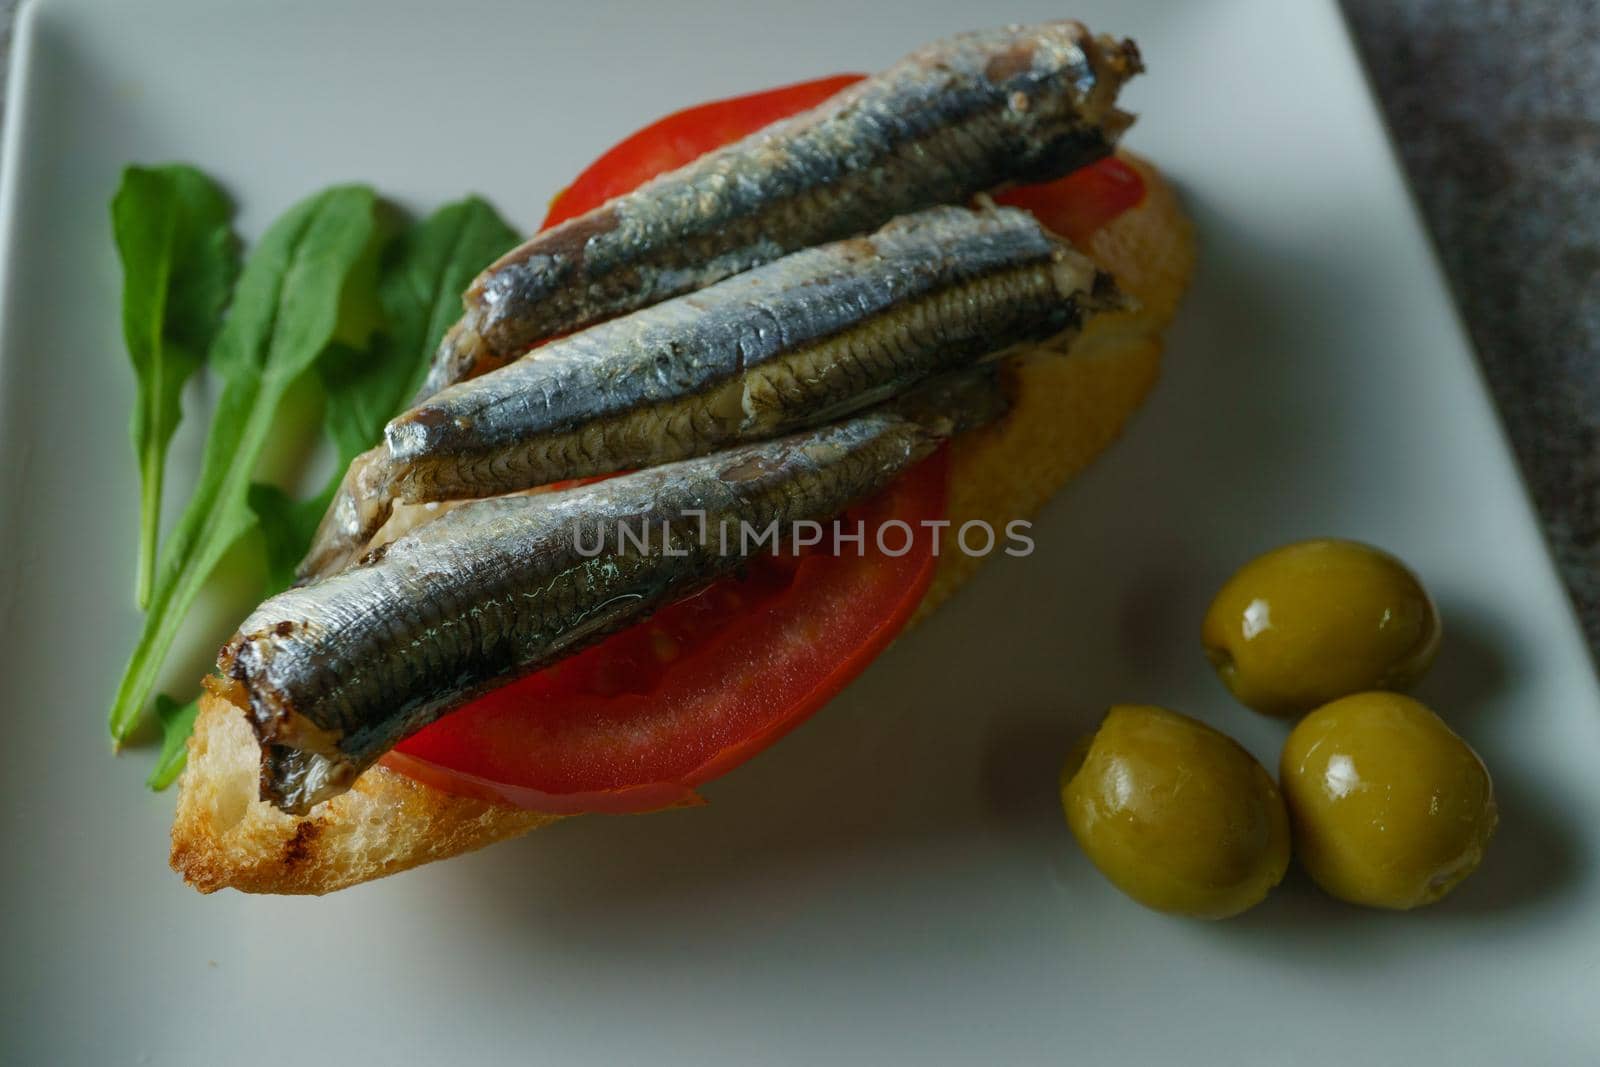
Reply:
x=1065, y=412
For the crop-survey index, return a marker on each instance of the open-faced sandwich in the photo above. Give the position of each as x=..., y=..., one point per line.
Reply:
x=681, y=470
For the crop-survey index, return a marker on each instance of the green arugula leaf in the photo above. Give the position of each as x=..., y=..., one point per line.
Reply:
x=287, y=526
x=177, y=723
x=179, y=261
x=419, y=288
x=309, y=283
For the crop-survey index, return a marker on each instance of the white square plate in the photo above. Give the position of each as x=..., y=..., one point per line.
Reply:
x=894, y=882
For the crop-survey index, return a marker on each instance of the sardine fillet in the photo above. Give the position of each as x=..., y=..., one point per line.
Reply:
x=959, y=117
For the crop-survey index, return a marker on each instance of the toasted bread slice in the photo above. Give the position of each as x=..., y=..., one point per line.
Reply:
x=1066, y=411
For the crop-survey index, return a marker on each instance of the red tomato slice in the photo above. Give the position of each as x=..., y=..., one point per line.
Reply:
x=638, y=721
x=1083, y=201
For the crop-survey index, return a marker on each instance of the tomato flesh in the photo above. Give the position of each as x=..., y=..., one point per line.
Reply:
x=1082, y=202
x=638, y=721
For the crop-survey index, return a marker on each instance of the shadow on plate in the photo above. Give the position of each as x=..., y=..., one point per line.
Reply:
x=1537, y=849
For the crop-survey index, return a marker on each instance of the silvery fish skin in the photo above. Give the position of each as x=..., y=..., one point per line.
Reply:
x=335, y=673
x=962, y=116
x=795, y=343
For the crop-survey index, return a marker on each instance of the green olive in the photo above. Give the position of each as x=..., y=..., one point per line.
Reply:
x=1311, y=622
x=1391, y=808
x=1175, y=814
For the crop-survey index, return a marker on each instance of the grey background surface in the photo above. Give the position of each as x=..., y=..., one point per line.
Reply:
x=1495, y=108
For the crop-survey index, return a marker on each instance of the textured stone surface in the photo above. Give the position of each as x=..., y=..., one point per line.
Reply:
x=1496, y=109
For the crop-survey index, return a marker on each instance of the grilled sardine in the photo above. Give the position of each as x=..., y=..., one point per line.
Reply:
x=795, y=343
x=334, y=674
x=958, y=117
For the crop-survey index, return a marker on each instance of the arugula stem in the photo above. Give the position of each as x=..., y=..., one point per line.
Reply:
x=218, y=531
x=153, y=450
x=150, y=478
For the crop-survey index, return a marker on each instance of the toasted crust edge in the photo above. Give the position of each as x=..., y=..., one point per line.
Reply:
x=1066, y=411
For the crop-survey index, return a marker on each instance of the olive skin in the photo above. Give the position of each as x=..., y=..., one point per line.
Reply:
x=1176, y=815
x=1391, y=809
x=1314, y=621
